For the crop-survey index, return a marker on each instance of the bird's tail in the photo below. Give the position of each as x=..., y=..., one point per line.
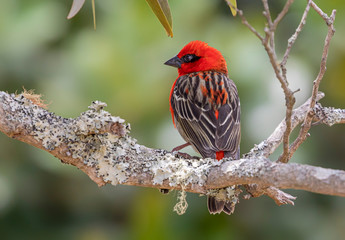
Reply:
x=217, y=206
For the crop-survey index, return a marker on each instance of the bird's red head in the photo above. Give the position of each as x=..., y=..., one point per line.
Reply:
x=197, y=56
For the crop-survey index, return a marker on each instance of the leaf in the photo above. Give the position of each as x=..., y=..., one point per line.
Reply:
x=76, y=6
x=162, y=11
x=233, y=5
x=94, y=14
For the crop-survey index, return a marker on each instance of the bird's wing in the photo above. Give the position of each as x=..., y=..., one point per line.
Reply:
x=228, y=132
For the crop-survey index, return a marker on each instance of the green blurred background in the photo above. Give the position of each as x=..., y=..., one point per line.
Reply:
x=121, y=63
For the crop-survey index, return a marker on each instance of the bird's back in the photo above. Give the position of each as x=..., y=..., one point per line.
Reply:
x=206, y=109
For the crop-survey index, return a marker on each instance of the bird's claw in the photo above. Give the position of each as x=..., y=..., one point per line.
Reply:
x=185, y=155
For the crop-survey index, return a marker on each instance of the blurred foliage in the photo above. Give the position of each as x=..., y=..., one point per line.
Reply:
x=162, y=11
x=233, y=5
x=122, y=64
x=75, y=8
x=77, y=5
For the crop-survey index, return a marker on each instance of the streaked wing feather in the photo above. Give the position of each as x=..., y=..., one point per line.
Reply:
x=229, y=130
x=195, y=116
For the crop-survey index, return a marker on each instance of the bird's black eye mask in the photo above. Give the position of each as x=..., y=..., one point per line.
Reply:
x=188, y=58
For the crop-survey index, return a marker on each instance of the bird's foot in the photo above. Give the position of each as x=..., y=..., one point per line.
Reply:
x=185, y=155
x=178, y=148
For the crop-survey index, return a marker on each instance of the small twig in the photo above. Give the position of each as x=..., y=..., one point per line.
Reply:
x=282, y=14
x=293, y=38
x=267, y=13
x=279, y=196
x=268, y=41
x=269, y=45
x=244, y=20
x=273, y=24
x=247, y=24
x=290, y=102
x=268, y=146
x=268, y=30
x=309, y=117
x=286, y=148
x=325, y=17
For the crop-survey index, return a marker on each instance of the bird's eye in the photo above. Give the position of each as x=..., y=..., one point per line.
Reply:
x=190, y=58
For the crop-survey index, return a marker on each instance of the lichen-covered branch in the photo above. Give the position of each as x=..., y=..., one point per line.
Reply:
x=329, y=115
x=99, y=144
x=269, y=145
x=326, y=115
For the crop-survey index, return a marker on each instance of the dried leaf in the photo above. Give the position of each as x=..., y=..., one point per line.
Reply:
x=76, y=6
x=35, y=98
x=162, y=11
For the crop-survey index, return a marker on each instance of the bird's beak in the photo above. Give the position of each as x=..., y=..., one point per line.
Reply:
x=174, y=62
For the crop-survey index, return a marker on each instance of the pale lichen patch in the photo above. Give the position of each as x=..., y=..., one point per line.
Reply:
x=180, y=172
x=232, y=166
x=250, y=169
x=227, y=194
x=258, y=150
x=86, y=137
x=322, y=174
x=115, y=174
x=333, y=115
x=162, y=169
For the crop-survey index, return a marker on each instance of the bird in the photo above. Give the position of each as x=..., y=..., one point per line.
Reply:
x=205, y=108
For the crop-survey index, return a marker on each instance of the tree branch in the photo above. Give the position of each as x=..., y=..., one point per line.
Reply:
x=268, y=146
x=282, y=14
x=309, y=117
x=246, y=23
x=293, y=39
x=281, y=72
x=99, y=144
x=269, y=44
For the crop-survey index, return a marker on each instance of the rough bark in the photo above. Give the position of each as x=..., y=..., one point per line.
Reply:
x=99, y=144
